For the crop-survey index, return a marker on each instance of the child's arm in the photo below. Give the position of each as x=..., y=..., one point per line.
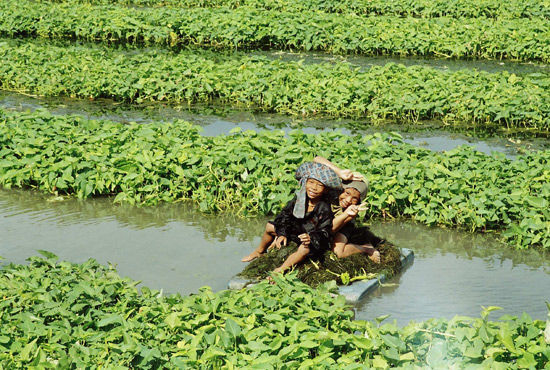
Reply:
x=344, y=174
x=343, y=218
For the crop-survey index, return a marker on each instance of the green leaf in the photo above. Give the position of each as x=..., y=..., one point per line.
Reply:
x=172, y=320
x=48, y=255
x=232, y=328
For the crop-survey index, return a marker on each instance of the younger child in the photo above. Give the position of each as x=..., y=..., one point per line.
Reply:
x=345, y=207
x=305, y=220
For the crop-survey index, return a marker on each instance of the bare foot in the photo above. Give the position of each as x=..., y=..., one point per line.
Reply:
x=251, y=256
x=375, y=256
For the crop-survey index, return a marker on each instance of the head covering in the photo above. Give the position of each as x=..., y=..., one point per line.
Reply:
x=360, y=186
x=319, y=172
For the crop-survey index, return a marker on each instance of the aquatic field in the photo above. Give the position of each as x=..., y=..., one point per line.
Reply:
x=157, y=137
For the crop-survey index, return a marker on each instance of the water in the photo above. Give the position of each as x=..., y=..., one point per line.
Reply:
x=449, y=64
x=455, y=273
x=175, y=248
x=363, y=62
x=218, y=120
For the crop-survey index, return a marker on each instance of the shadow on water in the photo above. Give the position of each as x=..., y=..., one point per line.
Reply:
x=178, y=249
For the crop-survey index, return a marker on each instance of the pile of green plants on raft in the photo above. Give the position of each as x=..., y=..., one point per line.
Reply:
x=388, y=92
x=251, y=28
x=253, y=173
x=412, y=8
x=64, y=315
x=322, y=269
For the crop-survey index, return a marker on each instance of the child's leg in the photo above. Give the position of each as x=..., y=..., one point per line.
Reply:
x=267, y=238
x=344, y=249
x=294, y=258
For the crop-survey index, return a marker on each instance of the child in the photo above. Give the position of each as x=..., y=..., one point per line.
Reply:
x=345, y=208
x=305, y=220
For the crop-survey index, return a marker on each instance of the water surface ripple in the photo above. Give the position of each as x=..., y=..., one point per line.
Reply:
x=175, y=248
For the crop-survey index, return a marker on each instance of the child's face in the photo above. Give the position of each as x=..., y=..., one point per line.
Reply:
x=314, y=189
x=348, y=197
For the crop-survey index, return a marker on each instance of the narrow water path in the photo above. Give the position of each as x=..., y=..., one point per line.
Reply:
x=217, y=120
x=448, y=64
x=363, y=62
x=175, y=248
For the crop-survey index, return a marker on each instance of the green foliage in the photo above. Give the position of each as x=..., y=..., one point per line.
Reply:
x=250, y=28
x=388, y=92
x=253, y=172
x=415, y=8
x=63, y=315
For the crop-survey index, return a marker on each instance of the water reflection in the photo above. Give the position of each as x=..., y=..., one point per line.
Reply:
x=428, y=242
x=456, y=274
x=217, y=119
x=448, y=64
x=66, y=211
x=172, y=246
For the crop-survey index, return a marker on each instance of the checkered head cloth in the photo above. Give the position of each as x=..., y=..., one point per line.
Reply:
x=319, y=172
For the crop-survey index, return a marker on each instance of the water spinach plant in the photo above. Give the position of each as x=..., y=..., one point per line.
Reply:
x=251, y=28
x=418, y=8
x=390, y=92
x=252, y=173
x=65, y=315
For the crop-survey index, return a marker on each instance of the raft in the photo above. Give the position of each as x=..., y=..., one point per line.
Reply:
x=356, y=275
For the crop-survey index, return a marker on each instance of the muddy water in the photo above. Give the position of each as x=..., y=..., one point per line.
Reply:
x=362, y=61
x=456, y=273
x=174, y=248
x=449, y=64
x=218, y=120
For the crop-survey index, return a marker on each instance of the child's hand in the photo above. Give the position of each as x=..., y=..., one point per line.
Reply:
x=304, y=238
x=278, y=242
x=352, y=211
x=346, y=174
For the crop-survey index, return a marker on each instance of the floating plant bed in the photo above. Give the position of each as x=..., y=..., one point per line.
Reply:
x=356, y=275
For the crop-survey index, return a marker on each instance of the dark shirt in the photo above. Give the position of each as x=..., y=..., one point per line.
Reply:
x=317, y=223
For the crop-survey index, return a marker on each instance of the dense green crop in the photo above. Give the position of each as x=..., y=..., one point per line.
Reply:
x=247, y=27
x=418, y=8
x=63, y=315
x=389, y=92
x=253, y=172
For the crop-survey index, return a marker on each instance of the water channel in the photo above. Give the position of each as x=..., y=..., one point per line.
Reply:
x=175, y=248
x=216, y=120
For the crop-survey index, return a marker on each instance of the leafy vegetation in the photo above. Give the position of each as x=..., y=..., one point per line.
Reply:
x=253, y=172
x=388, y=92
x=58, y=314
x=249, y=27
x=418, y=8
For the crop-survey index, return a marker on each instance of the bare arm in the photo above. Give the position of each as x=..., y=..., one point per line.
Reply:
x=343, y=218
x=344, y=174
